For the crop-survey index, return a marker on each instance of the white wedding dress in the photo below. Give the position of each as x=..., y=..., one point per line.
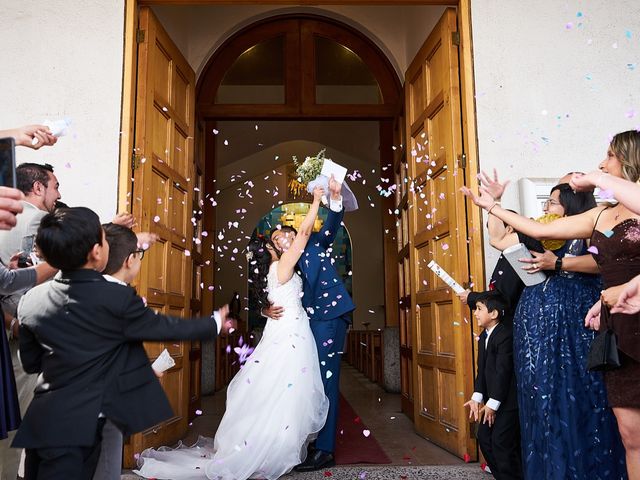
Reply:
x=275, y=405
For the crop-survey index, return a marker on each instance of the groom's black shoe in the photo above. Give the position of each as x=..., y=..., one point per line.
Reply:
x=316, y=461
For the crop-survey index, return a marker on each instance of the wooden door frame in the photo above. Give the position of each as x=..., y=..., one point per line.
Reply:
x=470, y=139
x=467, y=95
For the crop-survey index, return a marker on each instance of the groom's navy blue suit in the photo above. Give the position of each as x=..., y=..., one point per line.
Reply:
x=327, y=303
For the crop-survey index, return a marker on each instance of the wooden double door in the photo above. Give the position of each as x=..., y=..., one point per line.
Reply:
x=432, y=223
x=436, y=335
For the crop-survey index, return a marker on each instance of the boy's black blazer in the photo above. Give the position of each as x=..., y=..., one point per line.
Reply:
x=496, y=377
x=84, y=336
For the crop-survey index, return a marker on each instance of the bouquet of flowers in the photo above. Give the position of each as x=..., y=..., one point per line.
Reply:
x=313, y=173
x=311, y=168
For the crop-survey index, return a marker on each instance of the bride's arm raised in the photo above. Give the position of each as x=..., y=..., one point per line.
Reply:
x=289, y=258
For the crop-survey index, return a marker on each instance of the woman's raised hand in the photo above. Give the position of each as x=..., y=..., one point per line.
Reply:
x=483, y=200
x=585, y=182
x=493, y=186
x=318, y=192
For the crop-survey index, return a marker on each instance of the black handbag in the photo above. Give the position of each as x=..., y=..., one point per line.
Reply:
x=603, y=353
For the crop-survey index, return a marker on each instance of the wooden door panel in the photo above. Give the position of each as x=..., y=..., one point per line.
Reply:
x=441, y=350
x=163, y=198
x=426, y=330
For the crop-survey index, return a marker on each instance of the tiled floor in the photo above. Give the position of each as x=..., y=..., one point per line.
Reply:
x=380, y=411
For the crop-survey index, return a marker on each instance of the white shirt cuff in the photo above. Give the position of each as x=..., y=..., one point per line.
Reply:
x=477, y=397
x=335, y=205
x=216, y=317
x=493, y=404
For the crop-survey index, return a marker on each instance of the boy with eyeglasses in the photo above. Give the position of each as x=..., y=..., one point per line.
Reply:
x=123, y=266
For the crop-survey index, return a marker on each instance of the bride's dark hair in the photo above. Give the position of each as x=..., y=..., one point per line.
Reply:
x=259, y=259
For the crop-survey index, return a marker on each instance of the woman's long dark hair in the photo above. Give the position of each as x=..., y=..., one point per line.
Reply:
x=259, y=262
x=574, y=203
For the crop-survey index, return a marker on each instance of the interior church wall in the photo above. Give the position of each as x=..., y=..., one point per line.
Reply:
x=553, y=82
x=364, y=227
x=64, y=59
x=398, y=30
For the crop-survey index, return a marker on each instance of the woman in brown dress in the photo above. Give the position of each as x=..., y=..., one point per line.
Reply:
x=615, y=234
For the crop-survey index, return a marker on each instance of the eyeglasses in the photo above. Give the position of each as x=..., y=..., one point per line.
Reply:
x=550, y=202
x=141, y=252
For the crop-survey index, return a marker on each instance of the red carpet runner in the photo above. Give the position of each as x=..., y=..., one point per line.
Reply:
x=352, y=446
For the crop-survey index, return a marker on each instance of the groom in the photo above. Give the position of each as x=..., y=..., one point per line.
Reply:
x=328, y=304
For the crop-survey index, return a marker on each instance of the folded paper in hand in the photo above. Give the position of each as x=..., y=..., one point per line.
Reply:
x=513, y=255
x=164, y=362
x=329, y=167
x=445, y=277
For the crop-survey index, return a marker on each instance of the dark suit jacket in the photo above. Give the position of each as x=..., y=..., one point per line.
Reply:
x=507, y=282
x=84, y=335
x=325, y=296
x=496, y=377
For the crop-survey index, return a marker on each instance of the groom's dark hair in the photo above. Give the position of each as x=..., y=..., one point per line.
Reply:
x=282, y=228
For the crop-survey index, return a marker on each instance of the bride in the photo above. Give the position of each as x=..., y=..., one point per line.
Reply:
x=276, y=402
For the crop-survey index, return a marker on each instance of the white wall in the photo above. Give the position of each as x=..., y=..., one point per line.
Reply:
x=64, y=59
x=552, y=87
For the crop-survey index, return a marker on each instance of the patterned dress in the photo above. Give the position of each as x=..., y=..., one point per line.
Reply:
x=568, y=432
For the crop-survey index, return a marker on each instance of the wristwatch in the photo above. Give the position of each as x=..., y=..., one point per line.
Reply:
x=558, y=264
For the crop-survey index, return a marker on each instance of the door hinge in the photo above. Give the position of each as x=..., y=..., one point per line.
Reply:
x=455, y=38
x=136, y=161
x=462, y=161
x=140, y=36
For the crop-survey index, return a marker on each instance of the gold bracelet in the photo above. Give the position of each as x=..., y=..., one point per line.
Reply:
x=492, y=207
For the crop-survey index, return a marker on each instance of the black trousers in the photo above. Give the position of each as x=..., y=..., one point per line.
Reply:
x=500, y=445
x=64, y=463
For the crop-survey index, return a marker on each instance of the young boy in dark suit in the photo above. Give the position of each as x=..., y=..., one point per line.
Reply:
x=84, y=335
x=495, y=386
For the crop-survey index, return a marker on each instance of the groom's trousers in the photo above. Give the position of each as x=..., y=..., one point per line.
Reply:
x=330, y=338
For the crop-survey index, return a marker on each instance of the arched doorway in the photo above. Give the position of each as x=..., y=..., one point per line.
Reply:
x=291, y=214
x=308, y=69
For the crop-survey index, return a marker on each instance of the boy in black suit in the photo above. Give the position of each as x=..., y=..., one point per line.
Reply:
x=499, y=432
x=84, y=335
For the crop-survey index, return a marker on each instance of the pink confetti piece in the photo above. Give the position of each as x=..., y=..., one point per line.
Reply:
x=593, y=249
x=445, y=246
x=198, y=412
x=156, y=219
x=366, y=433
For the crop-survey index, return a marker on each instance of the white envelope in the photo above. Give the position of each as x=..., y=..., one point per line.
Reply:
x=329, y=167
x=164, y=362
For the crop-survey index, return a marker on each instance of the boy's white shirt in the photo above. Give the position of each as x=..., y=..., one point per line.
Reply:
x=492, y=403
x=216, y=315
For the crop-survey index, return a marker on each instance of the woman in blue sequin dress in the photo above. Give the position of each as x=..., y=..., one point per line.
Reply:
x=567, y=430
